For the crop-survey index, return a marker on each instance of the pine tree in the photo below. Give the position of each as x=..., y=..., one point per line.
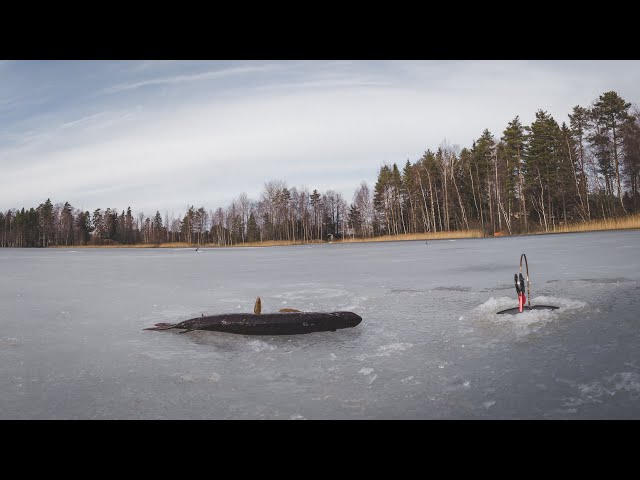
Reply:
x=253, y=234
x=98, y=224
x=542, y=162
x=513, y=146
x=45, y=213
x=484, y=152
x=316, y=204
x=128, y=227
x=157, y=227
x=355, y=220
x=566, y=188
x=383, y=199
x=611, y=113
x=631, y=159
x=66, y=224
x=84, y=227
x=409, y=194
x=579, y=123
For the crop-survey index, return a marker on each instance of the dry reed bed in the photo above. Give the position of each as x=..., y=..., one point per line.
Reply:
x=625, y=223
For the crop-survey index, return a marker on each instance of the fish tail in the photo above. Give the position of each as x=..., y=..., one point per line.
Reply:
x=161, y=326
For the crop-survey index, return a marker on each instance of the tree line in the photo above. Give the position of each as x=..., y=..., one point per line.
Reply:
x=529, y=178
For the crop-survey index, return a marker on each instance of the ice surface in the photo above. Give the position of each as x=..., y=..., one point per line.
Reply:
x=429, y=346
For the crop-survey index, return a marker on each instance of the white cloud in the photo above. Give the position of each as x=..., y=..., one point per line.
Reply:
x=326, y=129
x=178, y=79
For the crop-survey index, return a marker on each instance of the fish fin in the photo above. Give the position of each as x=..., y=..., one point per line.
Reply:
x=257, y=308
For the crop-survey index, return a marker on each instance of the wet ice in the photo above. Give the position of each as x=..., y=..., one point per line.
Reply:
x=429, y=346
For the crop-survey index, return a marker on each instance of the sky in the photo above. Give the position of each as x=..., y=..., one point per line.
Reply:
x=163, y=135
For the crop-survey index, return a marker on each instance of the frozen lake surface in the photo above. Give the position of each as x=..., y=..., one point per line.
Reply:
x=429, y=347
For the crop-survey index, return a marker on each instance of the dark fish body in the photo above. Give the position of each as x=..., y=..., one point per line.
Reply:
x=268, y=323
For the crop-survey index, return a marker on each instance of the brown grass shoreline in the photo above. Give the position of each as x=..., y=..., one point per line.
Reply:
x=626, y=223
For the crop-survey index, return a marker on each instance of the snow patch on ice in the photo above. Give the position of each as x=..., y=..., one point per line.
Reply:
x=185, y=377
x=627, y=381
x=600, y=282
x=260, y=346
x=386, y=350
x=457, y=383
x=599, y=391
x=527, y=321
x=368, y=372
